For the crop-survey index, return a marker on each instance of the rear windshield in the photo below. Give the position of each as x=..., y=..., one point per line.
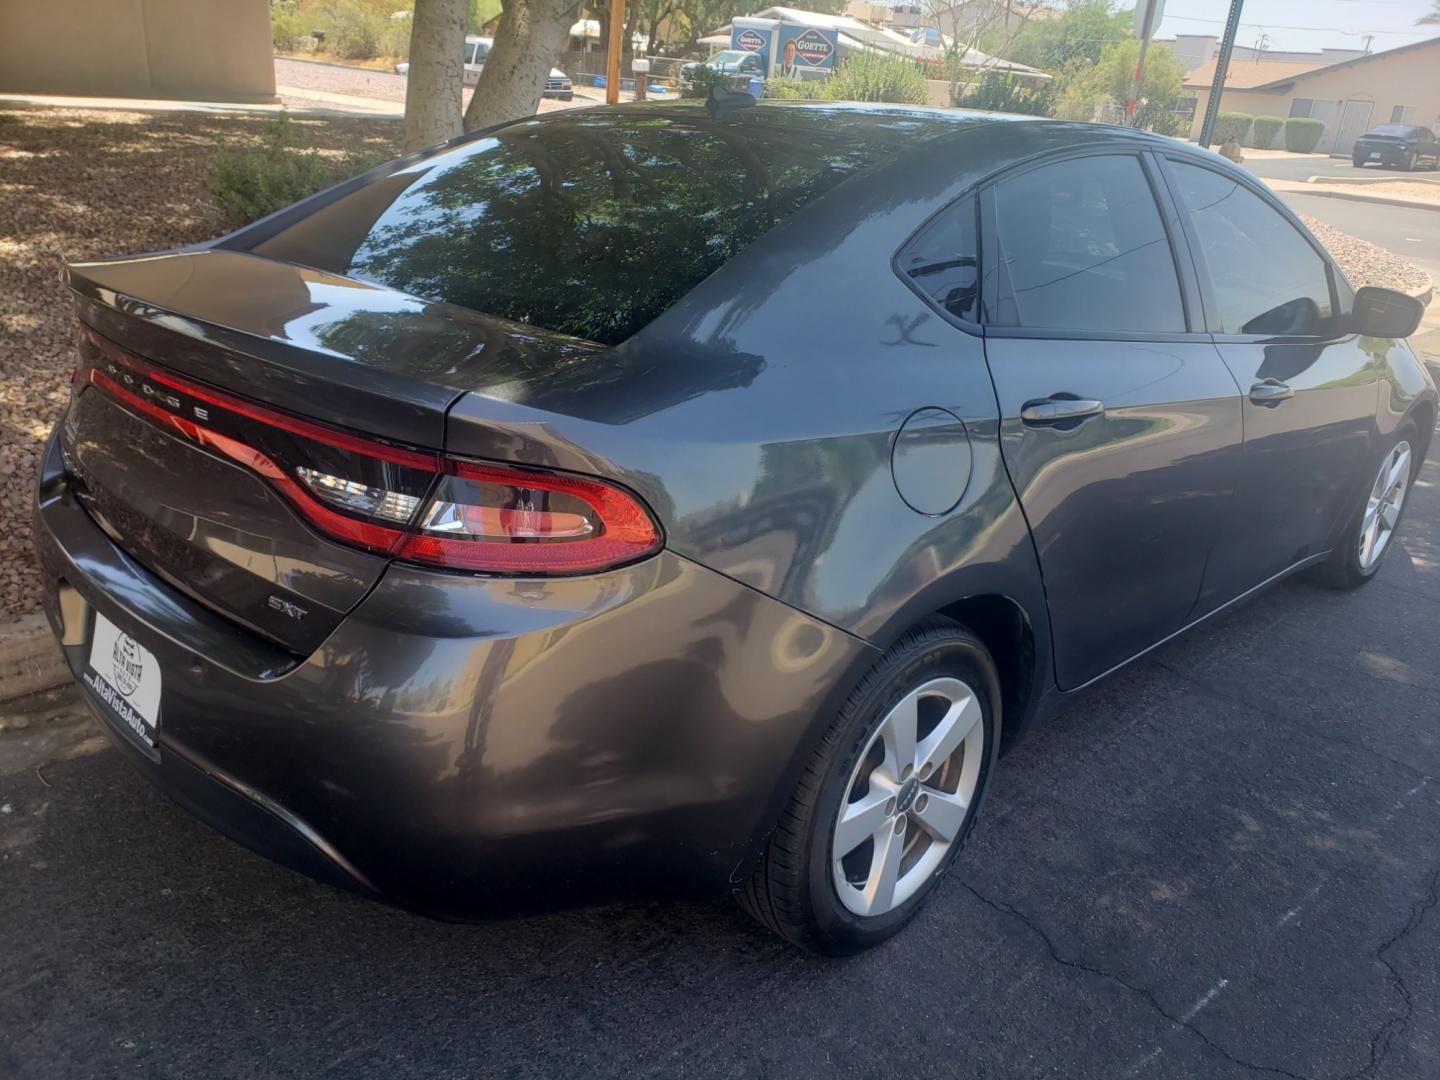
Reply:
x=592, y=224
x=1396, y=129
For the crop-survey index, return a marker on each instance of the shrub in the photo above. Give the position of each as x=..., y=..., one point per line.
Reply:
x=287, y=25
x=1004, y=93
x=354, y=29
x=702, y=79
x=876, y=77
x=1157, y=117
x=253, y=181
x=1231, y=123
x=1263, y=132
x=1302, y=134
x=795, y=89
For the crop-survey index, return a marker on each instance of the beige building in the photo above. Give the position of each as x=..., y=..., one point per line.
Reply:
x=1399, y=86
x=188, y=49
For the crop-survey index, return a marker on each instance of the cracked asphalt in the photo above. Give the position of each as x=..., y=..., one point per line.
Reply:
x=1222, y=863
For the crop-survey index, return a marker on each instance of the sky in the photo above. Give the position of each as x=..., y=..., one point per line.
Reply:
x=1304, y=24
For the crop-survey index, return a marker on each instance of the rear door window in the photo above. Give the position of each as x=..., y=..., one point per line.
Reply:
x=590, y=225
x=1082, y=247
x=943, y=261
x=1265, y=276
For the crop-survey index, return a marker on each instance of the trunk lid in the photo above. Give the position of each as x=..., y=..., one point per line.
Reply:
x=367, y=364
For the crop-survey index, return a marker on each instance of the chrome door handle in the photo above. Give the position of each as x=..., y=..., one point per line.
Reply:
x=1055, y=410
x=1270, y=392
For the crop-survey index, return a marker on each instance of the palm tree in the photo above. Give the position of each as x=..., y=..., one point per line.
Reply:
x=1432, y=18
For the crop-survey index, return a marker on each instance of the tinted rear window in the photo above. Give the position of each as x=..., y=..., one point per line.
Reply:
x=1401, y=130
x=592, y=224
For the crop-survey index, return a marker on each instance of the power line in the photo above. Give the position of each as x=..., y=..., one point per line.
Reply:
x=1279, y=26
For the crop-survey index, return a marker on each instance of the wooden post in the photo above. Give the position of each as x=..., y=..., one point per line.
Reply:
x=612, y=57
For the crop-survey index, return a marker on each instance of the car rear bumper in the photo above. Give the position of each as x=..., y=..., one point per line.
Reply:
x=474, y=747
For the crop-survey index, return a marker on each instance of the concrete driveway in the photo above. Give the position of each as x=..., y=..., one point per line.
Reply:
x=1222, y=864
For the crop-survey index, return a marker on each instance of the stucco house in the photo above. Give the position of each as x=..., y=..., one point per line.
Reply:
x=1398, y=86
x=187, y=49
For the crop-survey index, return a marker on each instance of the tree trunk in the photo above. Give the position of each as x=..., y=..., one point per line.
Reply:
x=527, y=44
x=437, y=72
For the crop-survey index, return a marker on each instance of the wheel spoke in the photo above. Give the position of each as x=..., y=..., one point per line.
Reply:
x=940, y=813
x=1398, y=469
x=1390, y=514
x=861, y=820
x=898, y=735
x=884, y=872
x=1367, y=539
x=956, y=725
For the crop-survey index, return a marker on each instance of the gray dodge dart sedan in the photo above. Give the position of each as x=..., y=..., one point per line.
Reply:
x=685, y=501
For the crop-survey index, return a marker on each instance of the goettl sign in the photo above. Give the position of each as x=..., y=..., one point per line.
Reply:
x=814, y=48
x=751, y=40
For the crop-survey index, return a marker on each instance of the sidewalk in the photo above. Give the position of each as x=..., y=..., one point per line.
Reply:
x=373, y=108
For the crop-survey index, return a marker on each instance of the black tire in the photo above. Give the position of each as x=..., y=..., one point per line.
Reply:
x=1343, y=570
x=1358, y=163
x=792, y=892
x=1409, y=163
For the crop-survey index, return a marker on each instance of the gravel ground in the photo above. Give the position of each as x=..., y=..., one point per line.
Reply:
x=1365, y=263
x=80, y=185
x=1395, y=189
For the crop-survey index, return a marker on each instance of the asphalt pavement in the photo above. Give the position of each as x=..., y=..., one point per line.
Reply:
x=1222, y=863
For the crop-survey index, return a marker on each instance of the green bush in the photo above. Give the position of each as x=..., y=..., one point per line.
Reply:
x=253, y=181
x=1000, y=92
x=1161, y=119
x=1302, y=134
x=795, y=89
x=288, y=27
x=877, y=77
x=354, y=29
x=702, y=79
x=1263, y=132
x=1232, y=123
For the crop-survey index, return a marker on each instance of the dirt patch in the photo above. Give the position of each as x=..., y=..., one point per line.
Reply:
x=83, y=185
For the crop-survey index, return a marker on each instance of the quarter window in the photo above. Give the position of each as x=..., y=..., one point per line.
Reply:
x=1082, y=247
x=1266, y=276
x=942, y=261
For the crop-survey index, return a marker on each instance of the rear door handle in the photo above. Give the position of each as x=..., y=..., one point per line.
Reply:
x=1270, y=392
x=1056, y=410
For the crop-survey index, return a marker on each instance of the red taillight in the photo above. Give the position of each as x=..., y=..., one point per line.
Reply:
x=415, y=505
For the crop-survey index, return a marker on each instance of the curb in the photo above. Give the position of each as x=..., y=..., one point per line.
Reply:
x=1364, y=181
x=1304, y=188
x=30, y=658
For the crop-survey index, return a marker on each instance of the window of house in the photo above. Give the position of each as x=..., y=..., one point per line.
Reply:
x=1403, y=114
x=1082, y=247
x=1266, y=277
x=1302, y=106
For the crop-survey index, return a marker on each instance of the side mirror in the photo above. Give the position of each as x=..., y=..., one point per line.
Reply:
x=1385, y=313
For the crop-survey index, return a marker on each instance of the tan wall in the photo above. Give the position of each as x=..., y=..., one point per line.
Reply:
x=1409, y=78
x=190, y=49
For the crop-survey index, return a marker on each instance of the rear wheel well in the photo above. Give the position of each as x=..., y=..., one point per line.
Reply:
x=1002, y=625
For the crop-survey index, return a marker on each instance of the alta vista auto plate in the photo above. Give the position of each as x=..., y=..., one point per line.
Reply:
x=125, y=676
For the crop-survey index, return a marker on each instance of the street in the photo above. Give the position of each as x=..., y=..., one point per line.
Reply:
x=1223, y=863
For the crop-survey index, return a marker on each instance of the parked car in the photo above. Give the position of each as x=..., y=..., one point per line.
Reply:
x=844, y=445
x=729, y=62
x=477, y=49
x=1397, y=146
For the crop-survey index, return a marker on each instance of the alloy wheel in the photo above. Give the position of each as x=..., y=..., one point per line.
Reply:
x=908, y=796
x=1382, y=506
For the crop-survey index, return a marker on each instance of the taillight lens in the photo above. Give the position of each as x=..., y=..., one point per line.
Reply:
x=413, y=504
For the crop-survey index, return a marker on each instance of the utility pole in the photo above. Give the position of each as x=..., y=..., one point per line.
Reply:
x=612, y=55
x=1147, y=16
x=1222, y=65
